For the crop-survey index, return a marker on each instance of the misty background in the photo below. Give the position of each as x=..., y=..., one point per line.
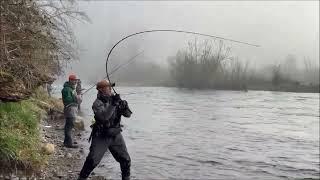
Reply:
x=285, y=30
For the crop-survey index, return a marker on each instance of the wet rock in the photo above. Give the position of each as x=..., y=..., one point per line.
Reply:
x=58, y=174
x=44, y=140
x=68, y=155
x=48, y=148
x=61, y=176
x=79, y=124
x=58, y=127
x=60, y=155
x=54, y=172
x=101, y=165
x=78, y=156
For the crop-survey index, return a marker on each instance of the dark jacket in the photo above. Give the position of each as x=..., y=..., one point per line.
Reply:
x=108, y=112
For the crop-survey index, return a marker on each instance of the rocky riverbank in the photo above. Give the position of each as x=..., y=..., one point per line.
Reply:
x=62, y=163
x=65, y=163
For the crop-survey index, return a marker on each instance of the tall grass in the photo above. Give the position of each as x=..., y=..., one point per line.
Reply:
x=20, y=143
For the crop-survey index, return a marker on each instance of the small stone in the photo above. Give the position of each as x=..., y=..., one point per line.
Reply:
x=81, y=151
x=43, y=140
x=69, y=171
x=60, y=155
x=7, y=177
x=79, y=124
x=69, y=155
x=59, y=127
x=61, y=176
x=93, y=173
x=58, y=174
x=48, y=148
x=101, y=165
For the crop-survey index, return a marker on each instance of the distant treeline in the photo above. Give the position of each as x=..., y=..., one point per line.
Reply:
x=211, y=65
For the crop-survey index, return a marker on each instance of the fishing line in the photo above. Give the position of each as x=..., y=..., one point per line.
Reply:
x=169, y=30
x=115, y=69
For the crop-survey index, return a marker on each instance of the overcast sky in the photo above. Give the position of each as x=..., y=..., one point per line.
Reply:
x=281, y=28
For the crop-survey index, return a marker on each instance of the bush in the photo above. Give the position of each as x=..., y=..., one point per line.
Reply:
x=208, y=65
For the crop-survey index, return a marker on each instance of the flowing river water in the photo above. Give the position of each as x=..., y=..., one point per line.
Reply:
x=183, y=134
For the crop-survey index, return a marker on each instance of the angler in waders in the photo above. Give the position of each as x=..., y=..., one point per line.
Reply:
x=106, y=131
x=70, y=102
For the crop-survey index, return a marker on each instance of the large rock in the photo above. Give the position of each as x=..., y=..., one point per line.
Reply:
x=48, y=148
x=79, y=124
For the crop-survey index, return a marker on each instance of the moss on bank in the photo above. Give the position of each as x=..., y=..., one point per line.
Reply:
x=20, y=138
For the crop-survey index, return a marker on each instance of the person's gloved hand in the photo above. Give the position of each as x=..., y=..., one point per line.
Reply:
x=123, y=104
x=116, y=99
x=124, y=108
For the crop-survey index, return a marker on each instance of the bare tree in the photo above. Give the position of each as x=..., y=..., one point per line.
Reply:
x=200, y=65
x=36, y=41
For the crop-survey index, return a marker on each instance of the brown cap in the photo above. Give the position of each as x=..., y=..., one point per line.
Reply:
x=104, y=83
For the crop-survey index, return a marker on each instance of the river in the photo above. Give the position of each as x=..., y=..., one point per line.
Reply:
x=191, y=134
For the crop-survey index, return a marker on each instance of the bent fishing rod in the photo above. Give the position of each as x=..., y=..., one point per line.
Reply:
x=169, y=30
x=116, y=68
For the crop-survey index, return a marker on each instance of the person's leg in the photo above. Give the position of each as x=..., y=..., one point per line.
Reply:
x=119, y=151
x=99, y=146
x=68, y=131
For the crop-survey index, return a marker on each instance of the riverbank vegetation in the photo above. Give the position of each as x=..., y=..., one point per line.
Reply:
x=20, y=132
x=36, y=42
